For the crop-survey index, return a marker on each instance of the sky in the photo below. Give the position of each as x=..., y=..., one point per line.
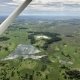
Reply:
x=42, y=7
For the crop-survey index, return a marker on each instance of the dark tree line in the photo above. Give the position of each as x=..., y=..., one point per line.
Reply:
x=73, y=74
x=54, y=38
x=4, y=38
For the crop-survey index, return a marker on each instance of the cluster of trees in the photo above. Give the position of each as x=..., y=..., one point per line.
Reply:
x=23, y=28
x=11, y=72
x=4, y=38
x=54, y=38
x=5, y=48
x=73, y=74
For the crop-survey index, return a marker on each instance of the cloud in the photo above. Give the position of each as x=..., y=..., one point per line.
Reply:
x=18, y=1
x=42, y=6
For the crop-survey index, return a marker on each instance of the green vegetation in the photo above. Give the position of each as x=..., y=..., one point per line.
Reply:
x=62, y=51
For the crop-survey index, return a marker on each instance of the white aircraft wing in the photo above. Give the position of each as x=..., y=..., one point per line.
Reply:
x=14, y=14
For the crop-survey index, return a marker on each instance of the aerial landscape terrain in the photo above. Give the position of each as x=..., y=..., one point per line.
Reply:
x=41, y=48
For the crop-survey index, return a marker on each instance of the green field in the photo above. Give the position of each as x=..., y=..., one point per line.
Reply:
x=62, y=61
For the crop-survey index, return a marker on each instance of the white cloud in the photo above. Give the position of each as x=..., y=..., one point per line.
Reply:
x=46, y=5
x=48, y=1
x=18, y=1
